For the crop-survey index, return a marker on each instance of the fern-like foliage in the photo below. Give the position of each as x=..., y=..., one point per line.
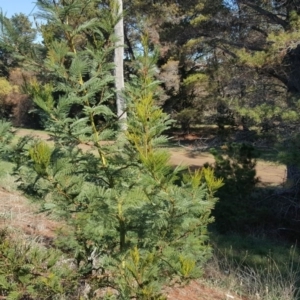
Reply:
x=6, y=136
x=29, y=271
x=132, y=225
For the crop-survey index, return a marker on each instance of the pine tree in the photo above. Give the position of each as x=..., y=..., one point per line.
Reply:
x=16, y=41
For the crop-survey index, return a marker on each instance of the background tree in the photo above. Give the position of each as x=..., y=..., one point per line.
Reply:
x=219, y=48
x=17, y=37
x=266, y=46
x=186, y=62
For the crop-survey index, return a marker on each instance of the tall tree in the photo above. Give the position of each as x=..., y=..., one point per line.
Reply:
x=182, y=30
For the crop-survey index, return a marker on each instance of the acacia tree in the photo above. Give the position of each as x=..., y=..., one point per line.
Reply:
x=133, y=227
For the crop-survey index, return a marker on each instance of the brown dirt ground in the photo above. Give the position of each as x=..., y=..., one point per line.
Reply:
x=268, y=173
x=17, y=213
x=21, y=217
x=196, y=290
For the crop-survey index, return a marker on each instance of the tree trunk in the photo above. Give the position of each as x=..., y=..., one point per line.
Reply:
x=119, y=68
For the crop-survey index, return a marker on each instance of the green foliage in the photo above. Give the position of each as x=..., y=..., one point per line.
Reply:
x=261, y=112
x=28, y=270
x=42, y=95
x=40, y=153
x=132, y=225
x=6, y=136
x=195, y=78
x=5, y=87
x=236, y=164
x=290, y=157
x=16, y=41
x=187, y=117
x=280, y=43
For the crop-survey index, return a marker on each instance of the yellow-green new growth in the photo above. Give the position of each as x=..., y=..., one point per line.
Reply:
x=41, y=94
x=205, y=174
x=187, y=266
x=213, y=183
x=40, y=153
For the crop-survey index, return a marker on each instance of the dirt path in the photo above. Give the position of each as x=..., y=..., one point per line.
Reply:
x=268, y=173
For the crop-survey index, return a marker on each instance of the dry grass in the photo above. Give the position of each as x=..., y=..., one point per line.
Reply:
x=270, y=282
x=200, y=290
x=20, y=216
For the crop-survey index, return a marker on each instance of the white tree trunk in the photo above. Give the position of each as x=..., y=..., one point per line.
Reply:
x=119, y=67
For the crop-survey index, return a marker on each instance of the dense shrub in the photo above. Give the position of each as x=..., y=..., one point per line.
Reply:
x=236, y=210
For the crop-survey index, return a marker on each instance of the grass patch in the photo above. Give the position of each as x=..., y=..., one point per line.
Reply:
x=6, y=179
x=254, y=267
x=269, y=155
x=254, y=251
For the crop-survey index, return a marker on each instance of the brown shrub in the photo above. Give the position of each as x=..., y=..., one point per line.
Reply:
x=18, y=76
x=14, y=104
x=18, y=105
